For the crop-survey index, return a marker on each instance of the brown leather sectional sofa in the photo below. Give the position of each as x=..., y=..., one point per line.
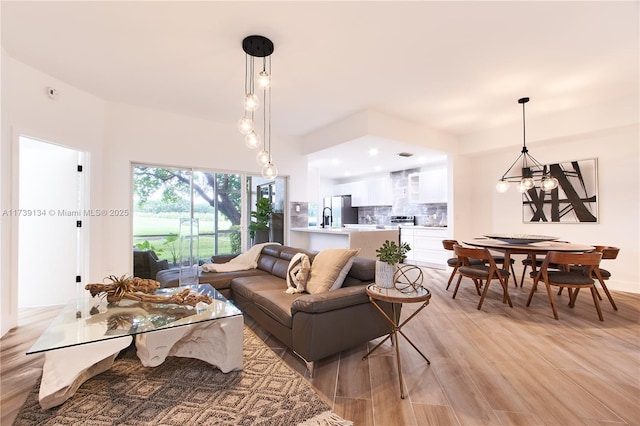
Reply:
x=314, y=326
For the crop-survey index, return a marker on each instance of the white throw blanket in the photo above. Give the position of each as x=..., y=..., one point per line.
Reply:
x=242, y=262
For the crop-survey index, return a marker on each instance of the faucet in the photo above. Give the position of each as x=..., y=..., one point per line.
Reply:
x=327, y=219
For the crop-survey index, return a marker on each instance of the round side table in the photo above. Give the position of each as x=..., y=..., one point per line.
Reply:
x=394, y=296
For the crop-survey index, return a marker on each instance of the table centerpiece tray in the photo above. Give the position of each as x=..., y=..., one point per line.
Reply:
x=521, y=238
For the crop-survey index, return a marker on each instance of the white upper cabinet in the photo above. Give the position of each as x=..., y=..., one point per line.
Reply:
x=428, y=186
x=369, y=192
x=379, y=192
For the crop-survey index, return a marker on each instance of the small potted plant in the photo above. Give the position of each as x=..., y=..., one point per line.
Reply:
x=389, y=255
x=259, y=228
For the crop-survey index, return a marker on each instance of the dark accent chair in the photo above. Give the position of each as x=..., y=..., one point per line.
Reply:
x=146, y=264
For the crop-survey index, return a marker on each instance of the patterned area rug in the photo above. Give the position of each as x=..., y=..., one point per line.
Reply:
x=184, y=391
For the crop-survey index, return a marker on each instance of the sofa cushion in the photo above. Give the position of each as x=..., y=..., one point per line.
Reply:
x=218, y=280
x=363, y=269
x=298, y=273
x=276, y=303
x=247, y=287
x=275, y=259
x=329, y=269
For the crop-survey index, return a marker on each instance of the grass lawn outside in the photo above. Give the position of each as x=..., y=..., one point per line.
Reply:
x=156, y=227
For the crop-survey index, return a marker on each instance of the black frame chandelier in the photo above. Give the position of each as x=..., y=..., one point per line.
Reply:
x=530, y=167
x=257, y=46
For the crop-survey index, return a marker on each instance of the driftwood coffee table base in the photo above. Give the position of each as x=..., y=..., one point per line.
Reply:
x=218, y=343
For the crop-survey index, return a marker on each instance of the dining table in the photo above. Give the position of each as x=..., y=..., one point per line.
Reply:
x=540, y=248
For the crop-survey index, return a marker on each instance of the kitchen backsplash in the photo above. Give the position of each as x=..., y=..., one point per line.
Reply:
x=299, y=214
x=426, y=214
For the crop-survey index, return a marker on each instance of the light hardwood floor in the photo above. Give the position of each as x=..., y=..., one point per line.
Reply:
x=497, y=366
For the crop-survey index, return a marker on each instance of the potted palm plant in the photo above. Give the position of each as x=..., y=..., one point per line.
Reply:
x=259, y=228
x=389, y=255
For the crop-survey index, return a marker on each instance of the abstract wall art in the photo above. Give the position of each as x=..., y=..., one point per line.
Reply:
x=575, y=200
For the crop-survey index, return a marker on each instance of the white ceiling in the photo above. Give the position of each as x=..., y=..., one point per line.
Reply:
x=458, y=67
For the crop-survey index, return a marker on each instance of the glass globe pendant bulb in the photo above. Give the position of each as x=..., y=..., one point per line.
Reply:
x=528, y=183
x=245, y=125
x=252, y=140
x=251, y=102
x=264, y=79
x=502, y=186
x=549, y=183
x=262, y=158
x=269, y=171
x=521, y=188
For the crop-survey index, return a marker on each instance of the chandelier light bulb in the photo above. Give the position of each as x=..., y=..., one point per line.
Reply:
x=521, y=188
x=528, y=183
x=269, y=171
x=262, y=158
x=502, y=186
x=251, y=102
x=264, y=79
x=252, y=140
x=245, y=125
x=549, y=183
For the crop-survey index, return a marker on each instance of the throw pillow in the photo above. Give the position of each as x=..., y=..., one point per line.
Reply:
x=329, y=269
x=298, y=273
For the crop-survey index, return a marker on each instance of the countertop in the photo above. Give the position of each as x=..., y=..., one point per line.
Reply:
x=347, y=229
x=339, y=231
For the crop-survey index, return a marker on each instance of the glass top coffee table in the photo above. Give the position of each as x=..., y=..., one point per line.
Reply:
x=87, y=335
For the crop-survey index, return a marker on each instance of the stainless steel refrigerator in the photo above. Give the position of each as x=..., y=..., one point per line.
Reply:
x=337, y=211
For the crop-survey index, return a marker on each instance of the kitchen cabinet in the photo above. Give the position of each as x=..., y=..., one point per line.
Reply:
x=426, y=246
x=428, y=186
x=369, y=192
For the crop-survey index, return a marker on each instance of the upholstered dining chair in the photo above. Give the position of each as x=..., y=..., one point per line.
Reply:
x=487, y=272
x=528, y=262
x=500, y=261
x=572, y=280
x=454, y=262
x=600, y=274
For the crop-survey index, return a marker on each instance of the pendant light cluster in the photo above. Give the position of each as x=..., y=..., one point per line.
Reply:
x=530, y=168
x=256, y=46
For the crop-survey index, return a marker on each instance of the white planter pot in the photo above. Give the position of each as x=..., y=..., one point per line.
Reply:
x=384, y=274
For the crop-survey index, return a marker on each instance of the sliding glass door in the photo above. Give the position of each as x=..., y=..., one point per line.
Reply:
x=164, y=195
x=275, y=190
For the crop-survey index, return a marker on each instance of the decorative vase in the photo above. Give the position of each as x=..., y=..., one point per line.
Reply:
x=384, y=274
x=189, y=252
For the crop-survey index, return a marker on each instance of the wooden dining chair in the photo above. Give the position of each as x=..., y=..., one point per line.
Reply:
x=500, y=260
x=572, y=280
x=528, y=262
x=486, y=272
x=600, y=274
x=454, y=262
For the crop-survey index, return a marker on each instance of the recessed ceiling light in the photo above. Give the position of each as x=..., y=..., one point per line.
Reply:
x=373, y=152
x=378, y=168
x=347, y=173
x=334, y=161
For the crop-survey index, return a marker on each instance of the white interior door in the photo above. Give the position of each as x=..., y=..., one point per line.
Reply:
x=49, y=206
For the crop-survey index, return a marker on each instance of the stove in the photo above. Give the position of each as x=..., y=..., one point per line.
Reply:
x=403, y=220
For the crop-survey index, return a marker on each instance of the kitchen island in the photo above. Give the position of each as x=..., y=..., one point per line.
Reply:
x=366, y=239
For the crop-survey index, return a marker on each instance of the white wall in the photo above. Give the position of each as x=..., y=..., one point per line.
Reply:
x=114, y=135
x=147, y=136
x=480, y=209
x=75, y=120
